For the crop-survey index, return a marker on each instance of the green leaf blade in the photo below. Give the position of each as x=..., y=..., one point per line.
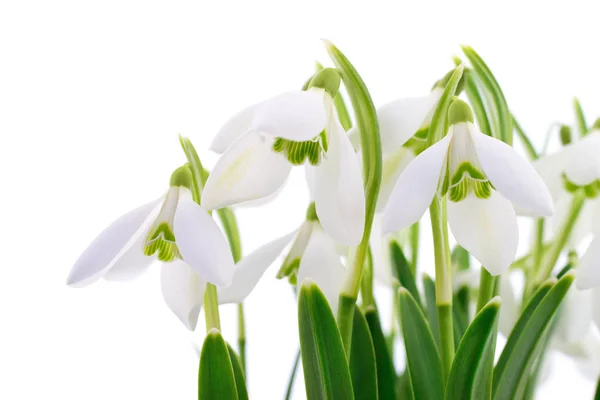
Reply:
x=216, y=378
x=471, y=373
x=363, y=368
x=402, y=271
x=238, y=373
x=326, y=371
x=386, y=374
x=422, y=356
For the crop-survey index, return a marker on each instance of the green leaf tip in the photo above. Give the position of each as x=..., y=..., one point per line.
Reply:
x=596, y=124
x=459, y=111
x=182, y=176
x=327, y=79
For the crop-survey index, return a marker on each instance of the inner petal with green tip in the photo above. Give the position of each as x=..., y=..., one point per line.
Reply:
x=161, y=239
x=591, y=190
x=298, y=153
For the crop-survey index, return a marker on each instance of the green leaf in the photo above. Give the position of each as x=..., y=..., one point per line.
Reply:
x=422, y=356
x=362, y=359
x=238, y=372
x=497, y=106
x=432, y=316
x=326, y=372
x=386, y=374
x=405, y=391
x=471, y=373
x=216, y=378
x=597, y=395
x=523, y=344
x=582, y=125
x=531, y=151
x=199, y=174
x=476, y=101
x=368, y=128
x=438, y=128
x=402, y=271
x=230, y=226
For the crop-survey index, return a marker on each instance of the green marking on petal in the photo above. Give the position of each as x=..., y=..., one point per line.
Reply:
x=467, y=178
x=418, y=142
x=311, y=212
x=591, y=190
x=161, y=240
x=297, y=153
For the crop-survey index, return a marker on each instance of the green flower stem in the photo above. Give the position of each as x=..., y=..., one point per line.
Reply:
x=242, y=336
x=533, y=155
x=211, y=308
x=414, y=247
x=368, y=299
x=443, y=282
x=544, y=270
x=487, y=284
x=537, y=253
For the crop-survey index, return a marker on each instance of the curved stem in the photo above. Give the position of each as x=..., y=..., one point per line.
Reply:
x=533, y=155
x=211, y=308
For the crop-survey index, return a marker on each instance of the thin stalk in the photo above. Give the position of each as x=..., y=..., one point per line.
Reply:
x=211, y=308
x=537, y=253
x=443, y=283
x=533, y=155
x=487, y=284
x=561, y=238
x=368, y=299
x=288, y=393
x=242, y=336
x=414, y=248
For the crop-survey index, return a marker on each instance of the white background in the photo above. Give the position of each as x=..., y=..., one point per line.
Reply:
x=92, y=97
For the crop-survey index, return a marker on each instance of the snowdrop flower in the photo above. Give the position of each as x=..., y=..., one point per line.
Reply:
x=261, y=143
x=577, y=167
x=171, y=228
x=483, y=178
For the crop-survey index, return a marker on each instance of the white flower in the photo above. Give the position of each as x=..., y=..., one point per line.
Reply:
x=577, y=167
x=483, y=178
x=261, y=143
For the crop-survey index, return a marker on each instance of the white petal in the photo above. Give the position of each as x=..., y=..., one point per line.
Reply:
x=200, y=242
x=339, y=192
x=416, y=187
x=393, y=166
x=486, y=228
x=132, y=264
x=575, y=316
x=595, y=214
x=509, y=312
x=251, y=268
x=380, y=250
x=588, y=272
x=551, y=168
x=583, y=166
x=309, y=173
x=399, y=120
x=322, y=264
x=596, y=306
x=111, y=245
x=233, y=129
x=248, y=170
x=512, y=175
x=183, y=291
x=296, y=116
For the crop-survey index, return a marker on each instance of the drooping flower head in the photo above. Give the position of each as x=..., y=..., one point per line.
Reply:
x=263, y=142
x=483, y=178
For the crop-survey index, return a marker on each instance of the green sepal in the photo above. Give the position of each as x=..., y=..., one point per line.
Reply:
x=238, y=373
x=327, y=79
x=471, y=373
x=363, y=368
x=526, y=339
x=501, y=127
x=326, y=371
x=386, y=374
x=439, y=122
x=216, y=378
x=422, y=356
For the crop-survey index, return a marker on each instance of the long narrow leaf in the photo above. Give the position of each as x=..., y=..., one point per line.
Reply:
x=238, y=373
x=326, y=372
x=216, y=378
x=432, y=317
x=386, y=374
x=422, y=356
x=362, y=359
x=402, y=271
x=471, y=374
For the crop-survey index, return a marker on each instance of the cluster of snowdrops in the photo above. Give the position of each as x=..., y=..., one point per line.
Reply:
x=372, y=174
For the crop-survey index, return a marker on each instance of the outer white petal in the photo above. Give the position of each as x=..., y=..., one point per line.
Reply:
x=233, y=129
x=393, y=165
x=596, y=306
x=511, y=175
x=297, y=116
x=183, y=291
x=575, y=316
x=588, y=273
x=509, y=312
x=132, y=264
x=339, y=193
x=551, y=168
x=248, y=170
x=416, y=187
x=309, y=173
x=487, y=229
x=111, y=245
x=200, y=242
x=322, y=264
x=399, y=120
x=583, y=166
x=251, y=268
